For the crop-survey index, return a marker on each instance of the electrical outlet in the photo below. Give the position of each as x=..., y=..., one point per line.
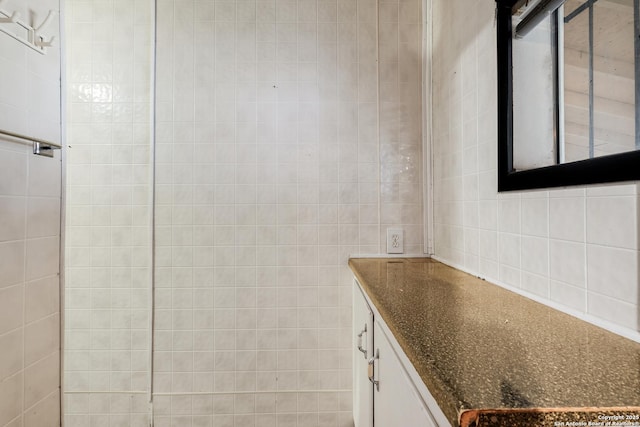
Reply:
x=395, y=240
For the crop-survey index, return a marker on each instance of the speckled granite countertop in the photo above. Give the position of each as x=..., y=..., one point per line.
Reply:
x=491, y=357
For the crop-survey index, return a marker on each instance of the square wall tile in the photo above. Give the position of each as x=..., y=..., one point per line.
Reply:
x=11, y=398
x=14, y=173
x=613, y=272
x=567, y=218
x=535, y=217
x=43, y=257
x=567, y=262
x=12, y=359
x=613, y=310
x=41, y=339
x=612, y=221
x=12, y=261
x=12, y=217
x=11, y=308
x=45, y=413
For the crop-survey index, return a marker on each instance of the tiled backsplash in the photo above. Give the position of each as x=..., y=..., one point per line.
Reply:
x=575, y=248
x=30, y=189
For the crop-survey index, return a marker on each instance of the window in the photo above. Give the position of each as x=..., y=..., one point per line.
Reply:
x=567, y=92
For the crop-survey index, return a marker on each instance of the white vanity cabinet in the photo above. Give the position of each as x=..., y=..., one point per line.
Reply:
x=363, y=351
x=396, y=399
x=385, y=393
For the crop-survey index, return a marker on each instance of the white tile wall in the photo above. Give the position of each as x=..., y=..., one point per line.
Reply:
x=122, y=409
x=400, y=158
x=270, y=172
x=577, y=248
x=282, y=147
x=108, y=233
x=29, y=229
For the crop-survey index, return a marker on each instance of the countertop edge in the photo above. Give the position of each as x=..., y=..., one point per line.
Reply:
x=550, y=416
x=452, y=408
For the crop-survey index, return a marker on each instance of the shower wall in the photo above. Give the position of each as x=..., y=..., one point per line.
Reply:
x=30, y=200
x=108, y=212
x=288, y=136
x=282, y=147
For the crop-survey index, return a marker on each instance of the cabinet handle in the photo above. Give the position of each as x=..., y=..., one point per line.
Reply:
x=363, y=350
x=371, y=372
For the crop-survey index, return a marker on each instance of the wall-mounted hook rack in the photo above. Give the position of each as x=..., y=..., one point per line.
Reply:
x=33, y=39
x=10, y=19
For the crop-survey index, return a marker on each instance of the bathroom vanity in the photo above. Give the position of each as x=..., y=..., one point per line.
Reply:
x=434, y=346
x=403, y=399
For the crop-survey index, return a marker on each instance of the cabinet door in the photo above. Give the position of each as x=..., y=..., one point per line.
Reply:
x=396, y=400
x=362, y=351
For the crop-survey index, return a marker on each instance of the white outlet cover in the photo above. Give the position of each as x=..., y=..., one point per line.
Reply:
x=395, y=241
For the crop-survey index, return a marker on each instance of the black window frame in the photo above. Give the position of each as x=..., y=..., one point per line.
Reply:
x=599, y=170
